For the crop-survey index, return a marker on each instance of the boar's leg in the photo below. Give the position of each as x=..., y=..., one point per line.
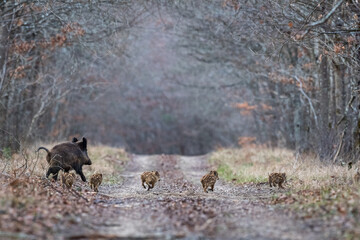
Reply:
x=142, y=182
x=79, y=171
x=205, y=187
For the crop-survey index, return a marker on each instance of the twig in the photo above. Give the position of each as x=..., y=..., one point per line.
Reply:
x=78, y=194
x=340, y=146
x=49, y=184
x=309, y=100
x=37, y=159
x=6, y=164
x=323, y=20
x=346, y=110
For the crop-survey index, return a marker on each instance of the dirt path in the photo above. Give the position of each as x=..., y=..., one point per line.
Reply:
x=178, y=208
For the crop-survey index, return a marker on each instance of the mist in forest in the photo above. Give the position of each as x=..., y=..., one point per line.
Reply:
x=181, y=77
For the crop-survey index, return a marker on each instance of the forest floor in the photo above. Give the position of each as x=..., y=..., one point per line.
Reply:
x=176, y=208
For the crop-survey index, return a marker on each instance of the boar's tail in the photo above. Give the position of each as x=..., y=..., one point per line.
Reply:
x=43, y=149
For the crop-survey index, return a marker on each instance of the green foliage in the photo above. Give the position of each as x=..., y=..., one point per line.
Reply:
x=7, y=153
x=242, y=175
x=112, y=179
x=225, y=172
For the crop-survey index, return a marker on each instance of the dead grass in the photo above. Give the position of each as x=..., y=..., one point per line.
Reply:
x=256, y=163
x=34, y=207
x=251, y=164
x=105, y=159
x=108, y=161
x=313, y=189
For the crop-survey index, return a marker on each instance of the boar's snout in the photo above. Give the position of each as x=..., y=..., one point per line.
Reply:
x=83, y=146
x=88, y=161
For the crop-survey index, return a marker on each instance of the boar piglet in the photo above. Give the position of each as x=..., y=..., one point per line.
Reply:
x=67, y=156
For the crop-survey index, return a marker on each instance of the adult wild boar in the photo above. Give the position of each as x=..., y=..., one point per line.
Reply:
x=67, y=156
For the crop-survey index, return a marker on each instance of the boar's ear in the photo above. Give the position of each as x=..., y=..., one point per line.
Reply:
x=83, y=144
x=74, y=140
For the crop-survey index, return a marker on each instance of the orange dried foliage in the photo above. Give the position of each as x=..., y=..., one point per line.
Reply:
x=34, y=206
x=58, y=40
x=246, y=141
x=245, y=108
x=73, y=28
x=231, y=3
x=23, y=47
x=44, y=57
x=36, y=8
x=339, y=48
x=307, y=84
x=266, y=107
x=300, y=54
x=18, y=73
x=19, y=22
x=308, y=66
x=350, y=40
x=284, y=199
x=245, y=113
x=275, y=77
x=43, y=44
x=298, y=36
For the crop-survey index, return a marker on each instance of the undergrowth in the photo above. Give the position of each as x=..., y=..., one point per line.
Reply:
x=34, y=207
x=314, y=190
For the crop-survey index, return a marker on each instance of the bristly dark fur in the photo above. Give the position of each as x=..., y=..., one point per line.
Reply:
x=277, y=179
x=67, y=156
x=67, y=179
x=95, y=181
x=209, y=180
x=150, y=178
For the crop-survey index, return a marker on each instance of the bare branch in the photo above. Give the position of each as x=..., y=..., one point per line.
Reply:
x=327, y=16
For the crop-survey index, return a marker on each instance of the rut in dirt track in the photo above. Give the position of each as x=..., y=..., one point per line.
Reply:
x=178, y=207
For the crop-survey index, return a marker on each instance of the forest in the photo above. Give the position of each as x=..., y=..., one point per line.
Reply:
x=243, y=82
x=182, y=77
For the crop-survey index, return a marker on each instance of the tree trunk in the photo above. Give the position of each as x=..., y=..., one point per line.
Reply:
x=324, y=108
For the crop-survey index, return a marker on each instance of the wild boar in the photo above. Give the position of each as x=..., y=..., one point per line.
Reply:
x=67, y=179
x=67, y=156
x=150, y=178
x=209, y=180
x=277, y=179
x=95, y=181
